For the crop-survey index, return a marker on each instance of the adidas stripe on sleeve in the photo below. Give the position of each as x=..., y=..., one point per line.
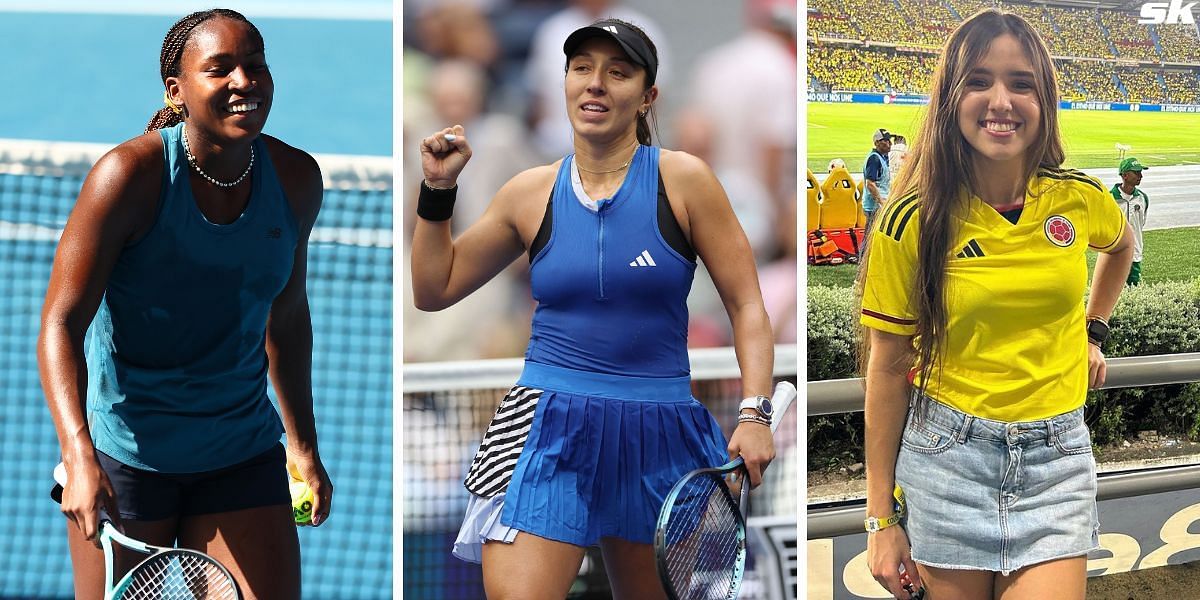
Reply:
x=1106, y=222
x=891, y=267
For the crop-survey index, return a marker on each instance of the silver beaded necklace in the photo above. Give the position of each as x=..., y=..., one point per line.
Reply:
x=187, y=150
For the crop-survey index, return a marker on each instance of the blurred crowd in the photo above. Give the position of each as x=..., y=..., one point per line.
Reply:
x=497, y=67
x=1088, y=81
x=1131, y=39
x=917, y=28
x=869, y=69
x=1182, y=86
x=1178, y=43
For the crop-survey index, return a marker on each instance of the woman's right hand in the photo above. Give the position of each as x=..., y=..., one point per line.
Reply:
x=86, y=492
x=887, y=551
x=442, y=160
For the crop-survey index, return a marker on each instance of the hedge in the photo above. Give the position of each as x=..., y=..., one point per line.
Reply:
x=1160, y=318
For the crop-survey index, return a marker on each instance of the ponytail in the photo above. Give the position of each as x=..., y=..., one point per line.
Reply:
x=165, y=117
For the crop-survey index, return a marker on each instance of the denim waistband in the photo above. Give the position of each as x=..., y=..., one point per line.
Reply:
x=970, y=426
x=605, y=385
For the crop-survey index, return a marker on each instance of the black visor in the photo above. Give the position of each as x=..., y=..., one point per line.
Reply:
x=632, y=43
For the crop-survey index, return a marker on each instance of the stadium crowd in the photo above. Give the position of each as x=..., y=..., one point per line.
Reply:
x=1182, y=86
x=1131, y=39
x=869, y=69
x=1141, y=85
x=1089, y=80
x=1178, y=43
x=1088, y=43
x=827, y=19
x=497, y=68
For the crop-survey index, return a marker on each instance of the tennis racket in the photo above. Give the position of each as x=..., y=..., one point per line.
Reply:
x=166, y=574
x=700, y=541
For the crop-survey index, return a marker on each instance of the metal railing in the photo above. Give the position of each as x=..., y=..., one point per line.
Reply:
x=846, y=395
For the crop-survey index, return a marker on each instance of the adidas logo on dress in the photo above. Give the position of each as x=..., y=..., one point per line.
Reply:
x=643, y=260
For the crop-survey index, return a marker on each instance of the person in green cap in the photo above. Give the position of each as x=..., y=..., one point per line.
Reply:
x=1135, y=203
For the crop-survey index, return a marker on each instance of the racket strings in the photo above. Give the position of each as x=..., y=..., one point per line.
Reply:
x=179, y=576
x=704, y=540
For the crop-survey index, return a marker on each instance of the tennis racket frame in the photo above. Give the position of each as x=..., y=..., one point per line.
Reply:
x=784, y=394
x=110, y=534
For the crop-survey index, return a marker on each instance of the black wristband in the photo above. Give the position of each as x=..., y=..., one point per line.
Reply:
x=436, y=204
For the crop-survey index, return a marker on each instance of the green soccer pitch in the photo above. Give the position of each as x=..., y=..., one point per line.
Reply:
x=1089, y=136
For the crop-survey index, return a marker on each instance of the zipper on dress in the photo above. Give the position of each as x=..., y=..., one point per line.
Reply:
x=601, y=207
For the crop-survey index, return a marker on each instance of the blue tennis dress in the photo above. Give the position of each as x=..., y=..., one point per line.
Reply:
x=601, y=422
x=177, y=365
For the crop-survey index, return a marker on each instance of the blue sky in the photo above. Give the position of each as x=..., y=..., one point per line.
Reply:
x=316, y=9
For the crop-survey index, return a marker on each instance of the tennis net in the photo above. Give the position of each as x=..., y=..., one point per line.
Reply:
x=350, y=292
x=447, y=407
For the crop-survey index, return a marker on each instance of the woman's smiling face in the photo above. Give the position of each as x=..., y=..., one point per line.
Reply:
x=998, y=113
x=224, y=80
x=604, y=89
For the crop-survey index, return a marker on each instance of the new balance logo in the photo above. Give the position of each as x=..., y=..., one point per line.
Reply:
x=643, y=260
x=971, y=250
x=274, y=233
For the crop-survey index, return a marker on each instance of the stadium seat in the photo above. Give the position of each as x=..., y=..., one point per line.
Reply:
x=839, y=205
x=862, y=214
x=814, y=202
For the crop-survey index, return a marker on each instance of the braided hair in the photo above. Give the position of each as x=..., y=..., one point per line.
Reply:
x=172, y=54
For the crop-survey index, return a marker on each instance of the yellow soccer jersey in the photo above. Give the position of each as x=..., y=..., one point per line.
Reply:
x=1016, y=345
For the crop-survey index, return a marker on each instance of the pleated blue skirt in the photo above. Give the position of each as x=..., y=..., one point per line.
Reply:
x=575, y=456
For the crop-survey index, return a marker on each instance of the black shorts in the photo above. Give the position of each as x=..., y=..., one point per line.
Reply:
x=151, y=496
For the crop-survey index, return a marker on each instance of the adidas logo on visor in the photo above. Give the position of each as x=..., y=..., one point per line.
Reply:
x=643, y=260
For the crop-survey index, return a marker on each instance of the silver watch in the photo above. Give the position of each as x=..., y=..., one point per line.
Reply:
x=761, y=404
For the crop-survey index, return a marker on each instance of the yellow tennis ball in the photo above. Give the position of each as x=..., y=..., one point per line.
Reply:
x=302, y=502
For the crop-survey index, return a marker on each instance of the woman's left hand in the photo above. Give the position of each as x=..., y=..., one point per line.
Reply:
x=754, y=443
x=1097, y=368
x=307, y=466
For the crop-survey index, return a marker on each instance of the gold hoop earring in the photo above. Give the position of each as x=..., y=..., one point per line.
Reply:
x=175, y=108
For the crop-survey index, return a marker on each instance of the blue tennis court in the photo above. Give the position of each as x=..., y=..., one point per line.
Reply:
x=115, y=58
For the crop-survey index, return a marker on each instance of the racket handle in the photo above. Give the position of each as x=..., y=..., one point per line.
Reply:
x=784, y=394
x=60, y=480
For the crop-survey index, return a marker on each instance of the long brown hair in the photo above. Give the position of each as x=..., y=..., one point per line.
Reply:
x=171, y=56
x=939, y=167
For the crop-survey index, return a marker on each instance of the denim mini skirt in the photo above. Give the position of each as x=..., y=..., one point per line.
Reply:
x=996, y=496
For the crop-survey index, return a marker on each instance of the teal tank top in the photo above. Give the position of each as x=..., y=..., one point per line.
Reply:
x=177, y=363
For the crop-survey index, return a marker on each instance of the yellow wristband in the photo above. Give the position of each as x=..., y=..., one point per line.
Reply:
x=875, y=524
